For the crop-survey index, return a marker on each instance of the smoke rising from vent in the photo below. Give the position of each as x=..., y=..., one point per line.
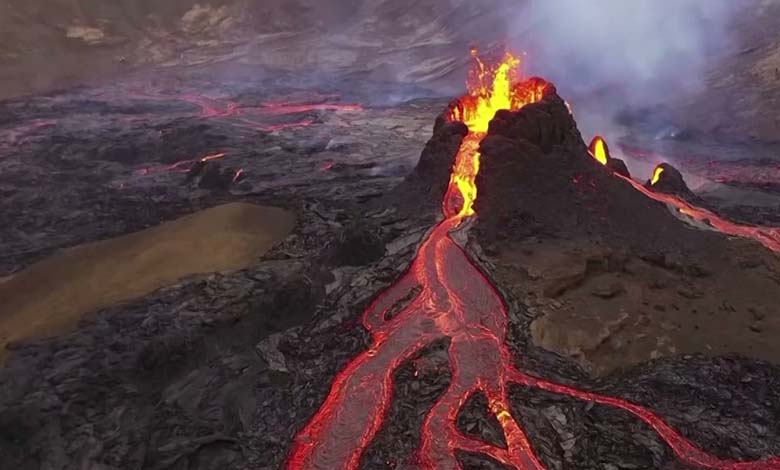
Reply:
x=629, y=53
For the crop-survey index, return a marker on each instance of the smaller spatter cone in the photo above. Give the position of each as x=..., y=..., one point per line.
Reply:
x=599, y=150
x=667, y=179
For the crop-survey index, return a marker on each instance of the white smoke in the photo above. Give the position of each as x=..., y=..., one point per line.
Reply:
x=630, y=53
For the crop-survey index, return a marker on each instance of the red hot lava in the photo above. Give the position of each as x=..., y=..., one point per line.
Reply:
x=270, y=116
x=274, y=108
x=455, y=301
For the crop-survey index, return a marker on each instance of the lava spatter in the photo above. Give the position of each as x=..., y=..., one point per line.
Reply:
x=455, y=301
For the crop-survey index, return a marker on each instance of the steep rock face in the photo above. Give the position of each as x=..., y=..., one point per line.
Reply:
x=740, y=96
x=432, y=173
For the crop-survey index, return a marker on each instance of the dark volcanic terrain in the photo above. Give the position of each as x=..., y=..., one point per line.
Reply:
x=220, y=365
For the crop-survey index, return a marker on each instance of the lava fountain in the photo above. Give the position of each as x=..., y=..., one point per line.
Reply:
x=456, y=302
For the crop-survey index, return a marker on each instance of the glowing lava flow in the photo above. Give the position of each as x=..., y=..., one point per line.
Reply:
x=455, y=301
x=767, y=236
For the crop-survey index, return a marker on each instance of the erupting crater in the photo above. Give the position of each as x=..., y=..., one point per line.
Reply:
x=455, y=301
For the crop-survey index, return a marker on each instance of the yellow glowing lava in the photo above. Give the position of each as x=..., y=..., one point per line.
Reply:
x=656, y=175
x=490, y=89
x=465, y=173
x=599, y=150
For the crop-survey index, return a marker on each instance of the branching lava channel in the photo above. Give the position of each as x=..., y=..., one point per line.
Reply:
x=458, y=302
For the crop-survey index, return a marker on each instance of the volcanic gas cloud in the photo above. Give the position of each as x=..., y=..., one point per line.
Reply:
x=458, y=303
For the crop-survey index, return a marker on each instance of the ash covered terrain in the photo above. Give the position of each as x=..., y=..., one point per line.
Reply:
x=304, y=251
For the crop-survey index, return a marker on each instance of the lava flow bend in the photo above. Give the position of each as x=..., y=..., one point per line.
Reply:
x=457, y=302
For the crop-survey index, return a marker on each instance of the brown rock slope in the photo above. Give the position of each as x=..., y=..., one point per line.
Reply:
x=614, y=277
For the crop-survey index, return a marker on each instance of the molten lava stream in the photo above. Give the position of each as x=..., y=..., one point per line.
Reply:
x=767, y=236
x=455, y=301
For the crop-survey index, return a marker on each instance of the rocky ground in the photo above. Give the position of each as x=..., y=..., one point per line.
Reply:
x=219, y=371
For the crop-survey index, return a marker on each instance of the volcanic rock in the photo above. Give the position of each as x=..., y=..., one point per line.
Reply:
x=433, y=170
x=544, y=125
x=358, y=245
x=608, y=291
x=618, y=166
x=211, y=175
x=535, y=163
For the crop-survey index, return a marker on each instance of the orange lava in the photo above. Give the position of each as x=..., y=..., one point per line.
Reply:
x=281, y=108
x=211, y=108
x=455, y=302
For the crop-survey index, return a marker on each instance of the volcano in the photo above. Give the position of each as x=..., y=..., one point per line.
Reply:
x=509, y=127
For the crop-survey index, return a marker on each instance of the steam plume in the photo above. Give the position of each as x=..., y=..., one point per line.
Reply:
x=633, y=53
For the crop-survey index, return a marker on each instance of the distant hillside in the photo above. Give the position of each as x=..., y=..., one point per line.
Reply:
x=51, y=43
x=742, y=96
x=46, y=44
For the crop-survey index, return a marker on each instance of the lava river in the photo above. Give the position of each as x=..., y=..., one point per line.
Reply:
x=457, y=302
